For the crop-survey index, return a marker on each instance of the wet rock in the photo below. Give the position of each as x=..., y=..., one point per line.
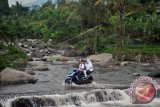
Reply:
x=48, y=58
x=30, y=59
x=63, y=59
x=155, y=58
x=36, y=48
x=13, y=76
x=135, y=74
x=49, y=42
x=102, y=58
x=124, y=63
x=40, y=68
x=30, y=72
x=146, y=58
x=27, y=51
x=58, y=57
x=22, y=103
x=1, y=105
x=138, y=58
x=39, y=59
x=155, y=73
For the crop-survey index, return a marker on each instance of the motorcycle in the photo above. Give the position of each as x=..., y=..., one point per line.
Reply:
x=78, y=78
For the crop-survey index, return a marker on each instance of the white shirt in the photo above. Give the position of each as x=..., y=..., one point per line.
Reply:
x=81, y=67
x=89, y=65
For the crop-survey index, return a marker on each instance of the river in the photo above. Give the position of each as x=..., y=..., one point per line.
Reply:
x=109, y=88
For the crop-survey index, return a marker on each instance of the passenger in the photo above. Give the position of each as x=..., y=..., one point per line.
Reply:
x=88, y=67
x=81, y=65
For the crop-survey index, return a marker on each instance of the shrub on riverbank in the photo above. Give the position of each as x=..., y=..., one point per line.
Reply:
x=11, y=56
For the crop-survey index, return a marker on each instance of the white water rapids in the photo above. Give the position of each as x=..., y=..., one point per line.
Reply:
x=92, y=98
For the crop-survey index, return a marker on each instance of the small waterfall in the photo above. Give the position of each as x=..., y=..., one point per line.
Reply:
x=74, y=99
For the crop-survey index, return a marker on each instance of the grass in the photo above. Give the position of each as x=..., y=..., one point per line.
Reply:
x=145, y=49
x=131, y=50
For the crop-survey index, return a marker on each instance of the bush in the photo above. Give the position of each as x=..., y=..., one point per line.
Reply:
x=14, y=57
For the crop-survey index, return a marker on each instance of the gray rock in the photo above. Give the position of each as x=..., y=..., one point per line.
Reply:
x=102, y=58
x=155, y=58
x=40, y=68
x=22, y=40
x=124, y=63
x=30, y=72
x=27, y=51
x=12, y=76
x=70, y=53
x=135, y=74
x=138, y=58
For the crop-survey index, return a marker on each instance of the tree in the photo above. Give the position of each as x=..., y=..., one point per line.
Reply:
x=4, y=7
x=19, y=9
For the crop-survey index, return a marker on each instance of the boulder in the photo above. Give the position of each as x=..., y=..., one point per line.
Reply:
x=40, y=68
x=102, y=58
x=13, y=76
x=70, y=53
x=124, y=63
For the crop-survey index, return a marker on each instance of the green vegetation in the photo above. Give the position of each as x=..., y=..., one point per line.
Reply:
x=115, y=26
x=11, y=56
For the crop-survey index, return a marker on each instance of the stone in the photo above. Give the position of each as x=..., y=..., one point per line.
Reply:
x=124, y=63
x=135, y=74
x=138, y=58
x=155, y=58
x=49, y=43
x=40, y=68
x=70, y=53
x=102, y=58
x=63, y=59
x=11, y=76
x=31, y=72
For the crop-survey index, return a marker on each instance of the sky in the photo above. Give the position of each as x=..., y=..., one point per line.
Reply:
x=12, y=2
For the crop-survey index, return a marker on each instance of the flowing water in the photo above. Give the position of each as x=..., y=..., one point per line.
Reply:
x=109, y=89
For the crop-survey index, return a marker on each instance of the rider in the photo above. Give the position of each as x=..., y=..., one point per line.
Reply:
x=88, y=67
x=81, y=65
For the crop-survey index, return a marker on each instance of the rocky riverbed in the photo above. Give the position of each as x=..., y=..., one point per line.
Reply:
x=109, y=88
x=51, y=82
